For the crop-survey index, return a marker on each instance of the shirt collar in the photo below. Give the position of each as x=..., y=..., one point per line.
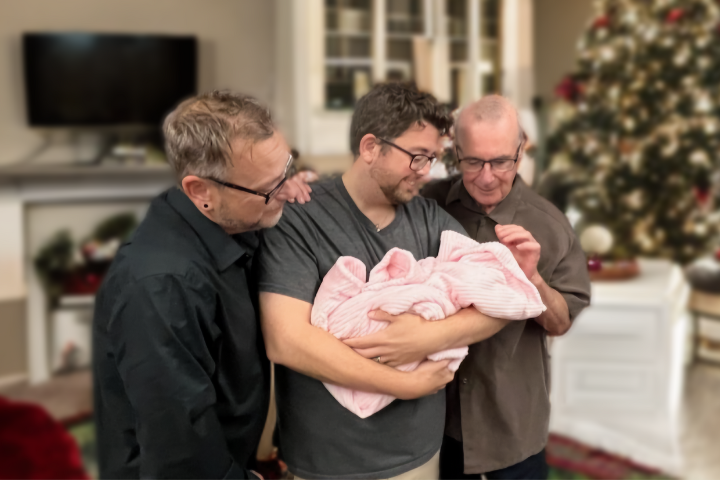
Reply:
x=502, y=214
x=223, y=248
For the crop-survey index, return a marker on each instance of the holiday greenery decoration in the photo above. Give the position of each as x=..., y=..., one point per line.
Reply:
x=636, y=131
x=66, y=269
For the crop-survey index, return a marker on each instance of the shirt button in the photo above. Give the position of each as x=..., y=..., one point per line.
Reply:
x=464, y=380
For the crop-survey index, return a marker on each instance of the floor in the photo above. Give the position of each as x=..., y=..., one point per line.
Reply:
x=66, y=397
x=69, y=397
x=700, y=438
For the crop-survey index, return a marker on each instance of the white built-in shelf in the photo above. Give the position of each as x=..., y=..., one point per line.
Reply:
x=77, y=301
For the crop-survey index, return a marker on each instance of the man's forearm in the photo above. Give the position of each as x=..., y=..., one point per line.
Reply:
x=323, y=357
x=293, y=342
x=556, y=318
x=466, y=327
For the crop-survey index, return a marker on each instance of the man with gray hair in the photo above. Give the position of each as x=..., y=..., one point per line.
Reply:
x=180, y=372
x=498, y=408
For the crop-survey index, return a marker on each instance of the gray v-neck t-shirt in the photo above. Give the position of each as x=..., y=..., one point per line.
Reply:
x=319, y=438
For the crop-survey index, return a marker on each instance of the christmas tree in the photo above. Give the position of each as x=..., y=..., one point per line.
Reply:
x=637, y=129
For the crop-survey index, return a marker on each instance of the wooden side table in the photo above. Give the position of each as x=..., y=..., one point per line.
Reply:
x=706, y=315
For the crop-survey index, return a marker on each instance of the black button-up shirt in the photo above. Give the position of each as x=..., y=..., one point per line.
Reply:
x=498, y=403
x=180, y=371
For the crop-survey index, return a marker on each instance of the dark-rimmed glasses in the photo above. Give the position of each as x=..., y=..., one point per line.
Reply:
x=266, y=196
x=471, y=164
x=417, y=162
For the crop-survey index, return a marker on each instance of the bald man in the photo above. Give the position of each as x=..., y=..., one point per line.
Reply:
x=498, y=407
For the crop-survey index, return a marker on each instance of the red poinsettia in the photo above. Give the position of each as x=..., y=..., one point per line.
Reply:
x=674, y=15
x=569, y=89
x=33, y=445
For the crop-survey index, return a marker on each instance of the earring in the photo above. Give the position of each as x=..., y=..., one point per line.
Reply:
x=205, y=205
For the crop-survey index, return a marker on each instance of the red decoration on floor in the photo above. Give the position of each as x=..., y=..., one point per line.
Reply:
x=34, y=446
x=566, y=454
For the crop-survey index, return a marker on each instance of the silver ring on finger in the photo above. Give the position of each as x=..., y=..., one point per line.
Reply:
x=377, y=359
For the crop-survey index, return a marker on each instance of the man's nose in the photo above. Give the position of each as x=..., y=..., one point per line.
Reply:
x=425, y=170
x=486, y=175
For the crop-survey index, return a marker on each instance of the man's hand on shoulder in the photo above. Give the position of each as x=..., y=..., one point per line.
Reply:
x=524, y=248
x=297, y=188
x=408, y=338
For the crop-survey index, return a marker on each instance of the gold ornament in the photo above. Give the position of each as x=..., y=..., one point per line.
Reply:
x=700, y=158
x=596, y=239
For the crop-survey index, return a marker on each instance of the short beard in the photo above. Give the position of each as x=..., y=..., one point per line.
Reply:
x=395, y=194
x=230, y=224
x=235, y=225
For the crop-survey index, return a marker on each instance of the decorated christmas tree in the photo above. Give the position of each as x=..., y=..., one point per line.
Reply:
x=636, y=131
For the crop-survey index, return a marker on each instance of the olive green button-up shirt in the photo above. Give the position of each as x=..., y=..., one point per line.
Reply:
x=498, y=404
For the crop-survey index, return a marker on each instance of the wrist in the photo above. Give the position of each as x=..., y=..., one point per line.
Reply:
x=440, y=334
x=402, y=386
x=537, y=280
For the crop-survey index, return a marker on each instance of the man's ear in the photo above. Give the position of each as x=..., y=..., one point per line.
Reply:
x=521, y=155
x=199, y=192
x=369, y=148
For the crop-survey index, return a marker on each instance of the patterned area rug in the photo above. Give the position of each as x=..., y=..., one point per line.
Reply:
x=569, y=459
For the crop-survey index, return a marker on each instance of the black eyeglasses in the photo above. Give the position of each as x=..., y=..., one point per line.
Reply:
x=266, y=196
x=417, y=162
x=470, y=164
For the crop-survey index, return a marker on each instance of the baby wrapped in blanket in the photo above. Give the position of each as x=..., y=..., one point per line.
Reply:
x=464, y=273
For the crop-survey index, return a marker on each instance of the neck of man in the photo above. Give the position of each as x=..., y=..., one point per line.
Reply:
x=487, y=208
x=367, y=195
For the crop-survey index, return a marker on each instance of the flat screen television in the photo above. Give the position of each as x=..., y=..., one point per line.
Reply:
x=88, y=79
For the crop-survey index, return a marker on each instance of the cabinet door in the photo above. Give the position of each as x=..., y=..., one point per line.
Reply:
x=614, y=333
x=597, y=387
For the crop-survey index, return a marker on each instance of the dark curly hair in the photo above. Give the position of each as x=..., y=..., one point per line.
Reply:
x=389, y=109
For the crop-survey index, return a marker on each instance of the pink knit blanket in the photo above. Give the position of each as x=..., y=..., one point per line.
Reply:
x=464, y=273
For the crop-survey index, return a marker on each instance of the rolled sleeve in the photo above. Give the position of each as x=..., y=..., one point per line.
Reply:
x=570, y=278
x=160, y=336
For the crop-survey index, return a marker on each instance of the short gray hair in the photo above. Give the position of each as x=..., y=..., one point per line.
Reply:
x=199, y=132
x=490, y=108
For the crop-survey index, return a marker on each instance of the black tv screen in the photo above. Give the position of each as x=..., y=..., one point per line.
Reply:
x=83, y=79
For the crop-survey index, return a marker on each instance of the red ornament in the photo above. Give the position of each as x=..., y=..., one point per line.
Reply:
x=569, y=89
x=594, y=264
x=702, y=195
x=674, y=15
x=717, y=254
x=601, y=22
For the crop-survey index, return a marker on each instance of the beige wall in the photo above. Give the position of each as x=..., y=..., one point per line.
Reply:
x=236, y=45
x=558, y=26
x=13, y=343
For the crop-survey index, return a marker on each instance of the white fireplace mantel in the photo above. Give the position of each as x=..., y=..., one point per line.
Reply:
x=25, y=185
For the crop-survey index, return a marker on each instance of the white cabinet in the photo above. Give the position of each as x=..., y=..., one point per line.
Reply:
x=617, y=375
